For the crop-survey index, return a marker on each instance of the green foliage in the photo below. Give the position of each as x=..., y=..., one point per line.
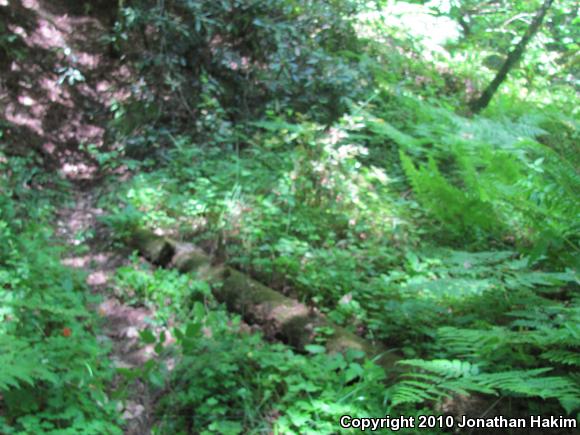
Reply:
x=283, y=221
x=526, y=328
x=464, y=212
x=486, y=178
x=499, y=348
x=442, y=378
x=232, y=382
x=245, y=54
x=326, y=151
x=21, y=365
x=171, y=294
x=54, y=370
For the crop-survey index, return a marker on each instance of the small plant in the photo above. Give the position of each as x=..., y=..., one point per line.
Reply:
x=171, y=294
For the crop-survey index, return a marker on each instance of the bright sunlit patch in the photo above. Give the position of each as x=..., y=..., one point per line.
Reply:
x=415, y=21
x=25, y=100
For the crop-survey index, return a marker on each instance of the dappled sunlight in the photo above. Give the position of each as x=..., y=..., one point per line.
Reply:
x=263, y=216
x=58, y=94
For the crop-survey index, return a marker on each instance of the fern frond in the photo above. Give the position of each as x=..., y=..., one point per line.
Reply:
x=20, y=364
x=441, y=378
x=563, y=356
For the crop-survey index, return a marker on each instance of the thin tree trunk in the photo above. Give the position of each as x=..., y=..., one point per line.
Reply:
x=513, y=58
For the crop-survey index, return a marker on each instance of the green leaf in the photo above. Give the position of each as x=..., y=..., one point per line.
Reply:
x=147, y=336
x=315, y=348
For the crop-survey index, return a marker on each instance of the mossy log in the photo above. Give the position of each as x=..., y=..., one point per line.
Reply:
x=279, y=316
x=290, y=320
x=157, y=249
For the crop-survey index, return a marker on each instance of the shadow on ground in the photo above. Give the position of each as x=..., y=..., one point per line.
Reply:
x=58, y=79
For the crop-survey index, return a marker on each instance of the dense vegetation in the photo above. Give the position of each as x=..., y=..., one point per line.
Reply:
x=330, y=150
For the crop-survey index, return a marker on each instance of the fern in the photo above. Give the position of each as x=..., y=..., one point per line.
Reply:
x=442, y=378
x=461, y=211
x=48, y=352
x=497, y=342
x=383, y=128
x=21, y=364
x=491, y=177
x=562, y=356
x=503, y=133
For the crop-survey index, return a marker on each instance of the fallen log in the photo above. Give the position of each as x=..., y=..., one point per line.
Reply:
x=279, y=316
x=156, y=249
x=290, y=320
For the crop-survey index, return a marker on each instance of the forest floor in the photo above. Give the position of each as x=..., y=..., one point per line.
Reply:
x=57, y=100
x=58, y=96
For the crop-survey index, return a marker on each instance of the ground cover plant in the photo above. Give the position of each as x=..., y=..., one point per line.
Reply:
x=55, y=372
x=406, y=171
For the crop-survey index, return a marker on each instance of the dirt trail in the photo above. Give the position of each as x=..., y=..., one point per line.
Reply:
x=56, y=99
x=122, y=323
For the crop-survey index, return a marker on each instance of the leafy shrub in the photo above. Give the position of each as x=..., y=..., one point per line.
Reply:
x=247, y=52
x=401, y=220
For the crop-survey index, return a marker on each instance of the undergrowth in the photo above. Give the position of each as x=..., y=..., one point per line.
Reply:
x=332, y=157
x=55, y=374
x=458, y=222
